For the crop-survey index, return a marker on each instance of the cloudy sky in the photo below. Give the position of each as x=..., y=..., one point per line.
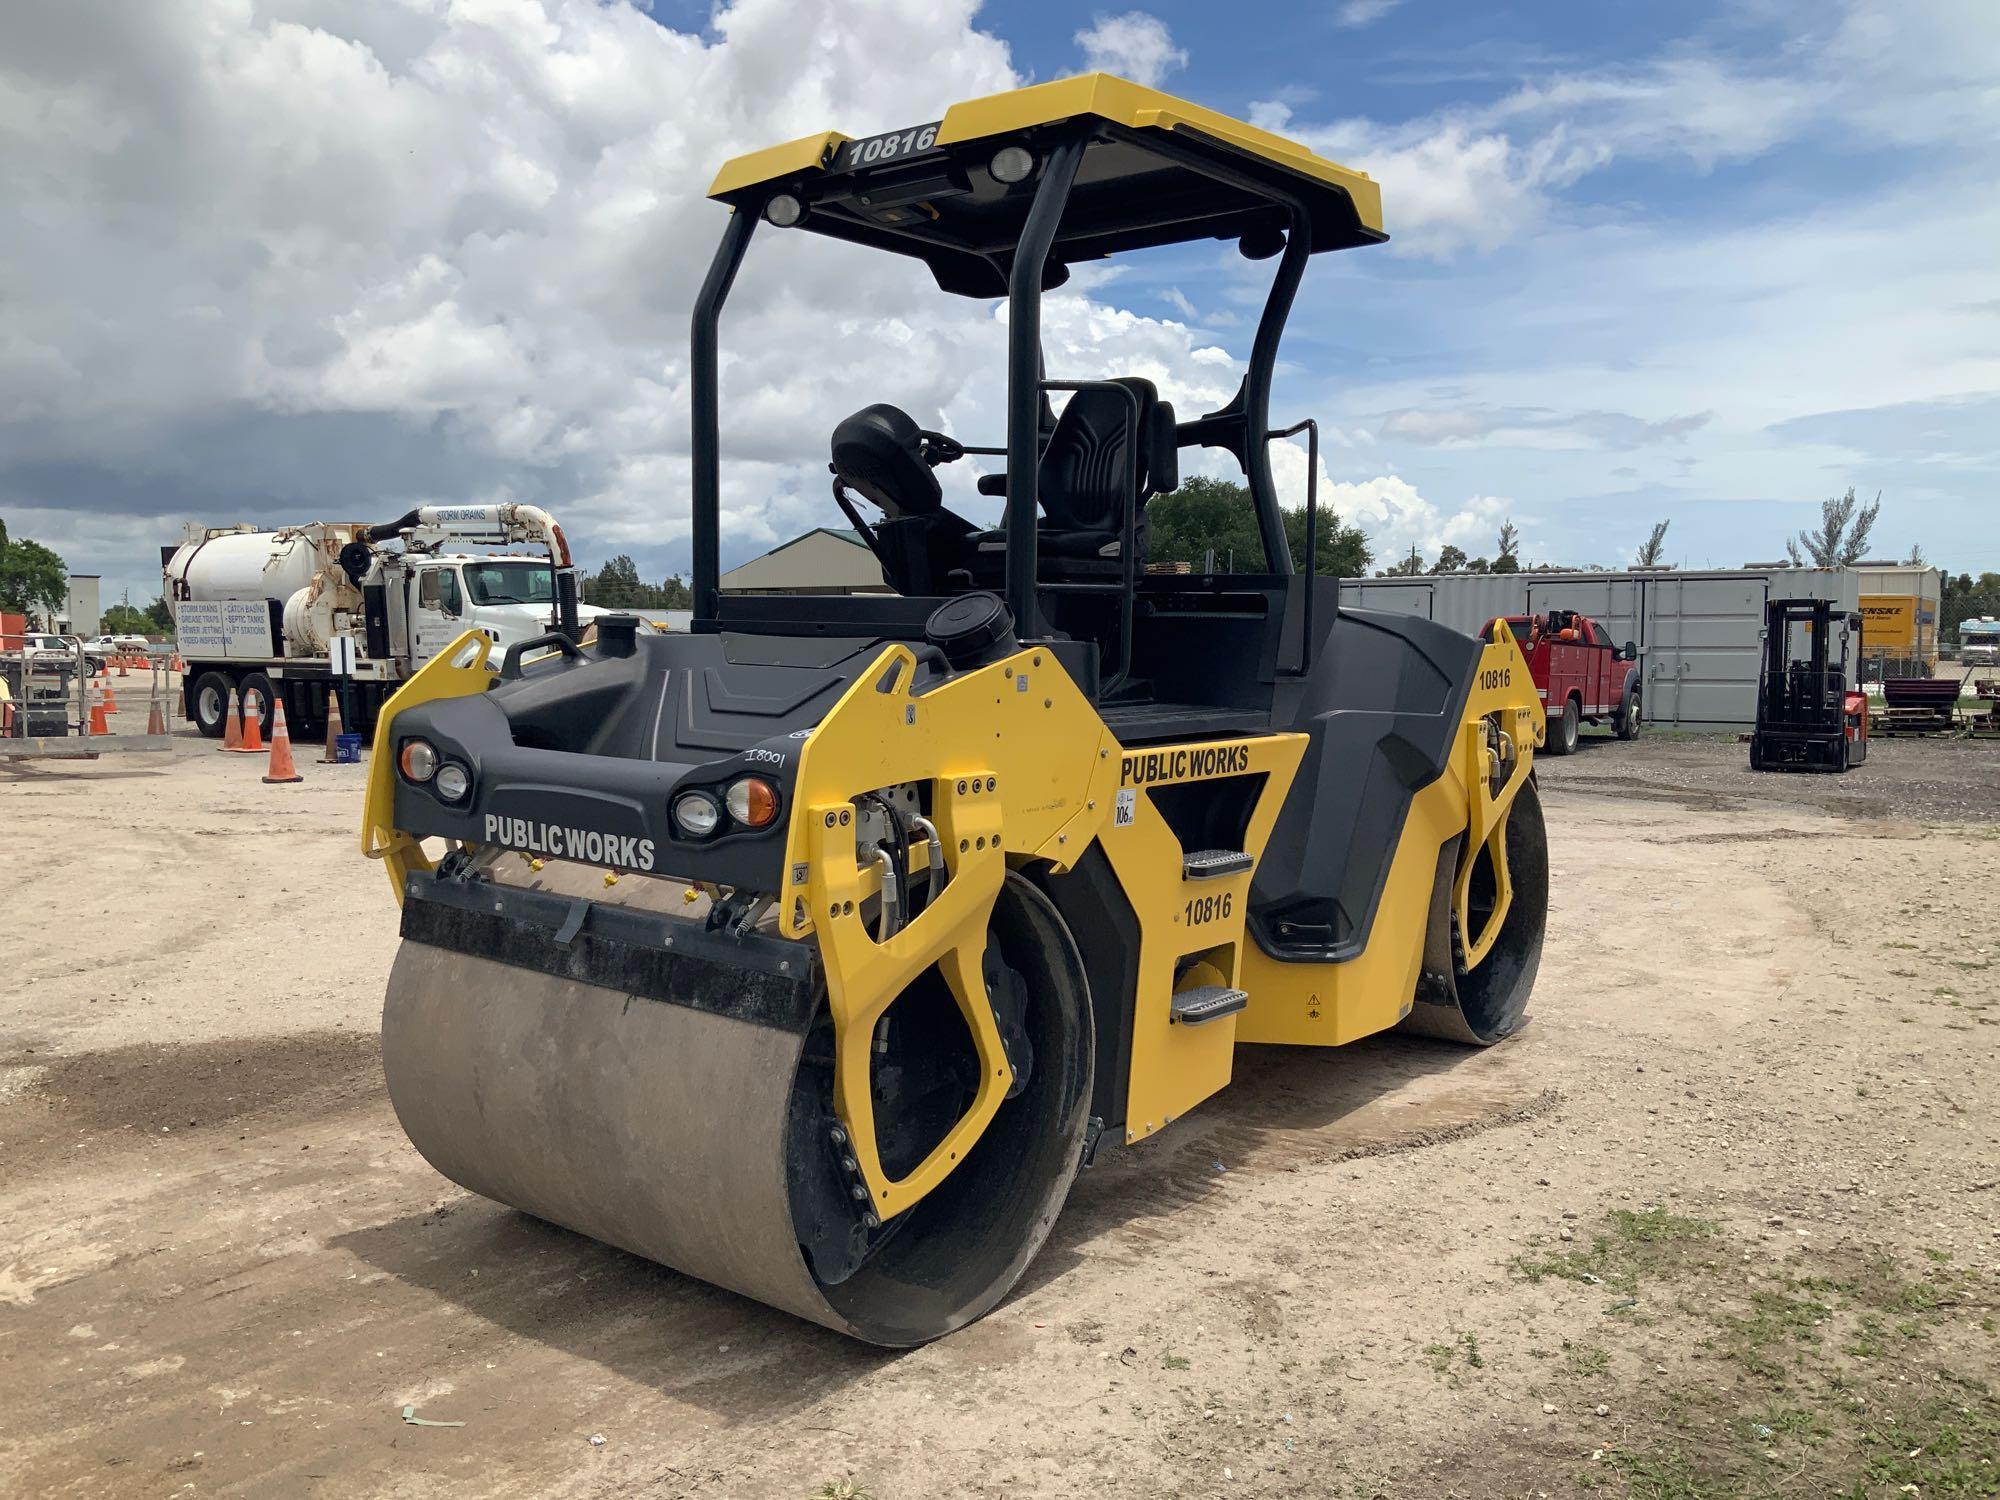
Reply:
x=283, y=260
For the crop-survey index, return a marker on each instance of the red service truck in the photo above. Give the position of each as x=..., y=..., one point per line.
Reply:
x=1582, y=677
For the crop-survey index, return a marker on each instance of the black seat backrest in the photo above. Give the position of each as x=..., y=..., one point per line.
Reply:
x=879, y=453
x=1081, y=484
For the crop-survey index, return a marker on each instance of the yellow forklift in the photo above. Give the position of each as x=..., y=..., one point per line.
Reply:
x=815, y=951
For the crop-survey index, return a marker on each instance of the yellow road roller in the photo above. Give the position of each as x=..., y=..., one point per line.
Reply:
x=815, y=951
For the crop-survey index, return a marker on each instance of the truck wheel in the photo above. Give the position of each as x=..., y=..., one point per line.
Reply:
x=1629, y=718
x=1562, y=734
x=208, y=703
x=266, y=692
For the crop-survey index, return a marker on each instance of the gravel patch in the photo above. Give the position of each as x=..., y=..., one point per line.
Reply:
x=1903, y=780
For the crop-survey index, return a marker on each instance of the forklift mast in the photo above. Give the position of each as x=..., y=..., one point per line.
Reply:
x=1809, y=718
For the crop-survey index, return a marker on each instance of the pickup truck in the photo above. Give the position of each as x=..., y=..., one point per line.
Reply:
x=43, y=646
x=1581, y=676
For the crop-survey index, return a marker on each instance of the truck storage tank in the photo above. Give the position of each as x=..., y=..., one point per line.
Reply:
x=246, y=565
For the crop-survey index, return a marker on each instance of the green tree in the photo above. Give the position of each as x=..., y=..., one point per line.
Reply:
x=123, y=619
x=1216, y=515
x=159, y=618
x=1842, y=535
x=617, y=585
x=1655, y=548
x=1204, y=515
x=1508, y=559
x=1343, y=550
x=1450, y=560
x=32, y=578
x=1963, y=598
x=1408, y=567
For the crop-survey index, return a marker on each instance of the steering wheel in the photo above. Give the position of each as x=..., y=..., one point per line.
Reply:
x=939, y=449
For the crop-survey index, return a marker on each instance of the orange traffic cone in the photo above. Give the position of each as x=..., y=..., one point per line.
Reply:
x=122, y=663
x=282, y=770
x=156, y=715
x=97, y=723
x=232, y=725
x=253, y=724
x=104, y=687
x=334, y=728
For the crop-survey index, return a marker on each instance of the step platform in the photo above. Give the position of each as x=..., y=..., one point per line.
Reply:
x=1208, y=1002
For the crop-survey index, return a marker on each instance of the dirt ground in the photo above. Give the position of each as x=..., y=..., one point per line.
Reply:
x=1720, y=1221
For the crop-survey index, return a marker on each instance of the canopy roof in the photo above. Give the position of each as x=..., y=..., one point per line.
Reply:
x=1158, y=171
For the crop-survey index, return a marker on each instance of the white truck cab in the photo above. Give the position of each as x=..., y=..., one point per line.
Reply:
x=509, y=598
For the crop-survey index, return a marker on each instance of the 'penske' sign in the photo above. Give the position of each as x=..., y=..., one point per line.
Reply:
x=560, y=841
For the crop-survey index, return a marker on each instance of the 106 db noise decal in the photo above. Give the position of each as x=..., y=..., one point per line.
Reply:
x=1142, y=768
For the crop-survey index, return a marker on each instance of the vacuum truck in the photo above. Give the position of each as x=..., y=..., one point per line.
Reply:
x=285, y=615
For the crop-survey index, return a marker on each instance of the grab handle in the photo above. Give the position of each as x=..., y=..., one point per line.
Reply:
x=510, y=664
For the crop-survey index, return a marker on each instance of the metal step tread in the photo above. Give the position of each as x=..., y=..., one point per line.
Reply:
x=1212, y=864
x=1208, y=1002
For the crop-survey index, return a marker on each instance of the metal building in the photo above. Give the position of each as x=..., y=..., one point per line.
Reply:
x=81, y=614
x=825, y=560
x=1699, y=634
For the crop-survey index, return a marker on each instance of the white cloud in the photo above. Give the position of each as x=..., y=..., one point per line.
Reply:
x=450, y=246
x=1703, y=109
x=1135, y=45
x=320, y=260
x=1476, y=424
x=315, y=257
x=1396, y=517
x=1357, y=13
x=1475, y=177
x=1387, y=507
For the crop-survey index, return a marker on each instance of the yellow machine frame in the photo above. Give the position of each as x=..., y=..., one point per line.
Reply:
x=1023, y=772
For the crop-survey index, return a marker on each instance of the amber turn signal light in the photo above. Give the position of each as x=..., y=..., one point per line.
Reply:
x=753, y=801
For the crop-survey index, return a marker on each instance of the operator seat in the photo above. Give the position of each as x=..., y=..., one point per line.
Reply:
x=1081, y=482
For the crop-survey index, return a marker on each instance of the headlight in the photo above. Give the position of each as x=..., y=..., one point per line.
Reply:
x=453, y=781
x=1011, y=164
x=784, y=210
x=697, y=814
x=753, y=801
x=418, y=760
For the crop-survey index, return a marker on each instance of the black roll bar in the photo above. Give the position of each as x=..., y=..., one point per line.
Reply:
x=705, y=422
x=1248, y=414
x=1024, y=374
x=1254, y=399
x=1257, y=391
